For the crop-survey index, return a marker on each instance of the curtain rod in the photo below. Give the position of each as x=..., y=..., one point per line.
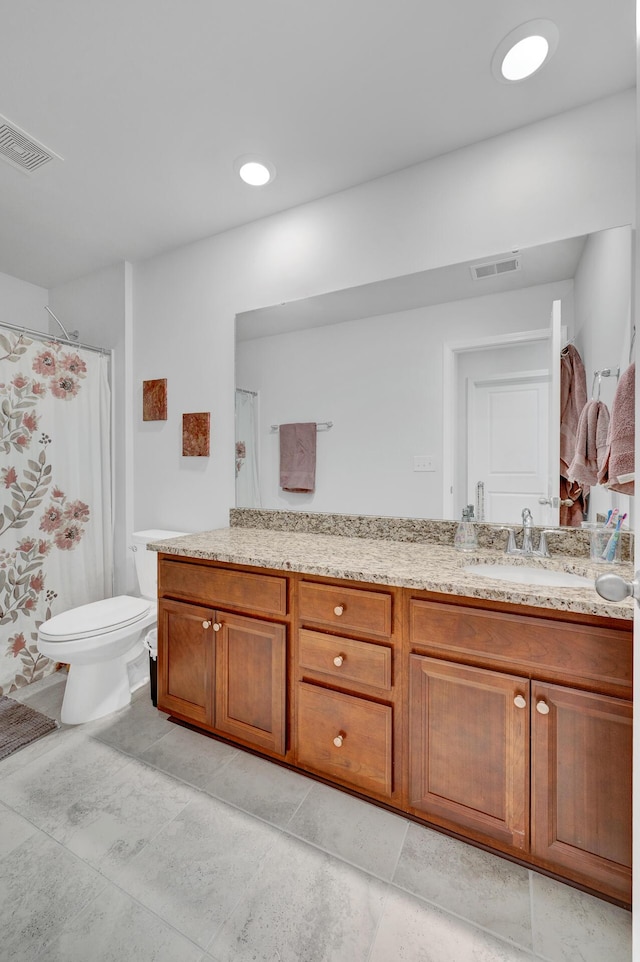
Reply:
x=43, y=336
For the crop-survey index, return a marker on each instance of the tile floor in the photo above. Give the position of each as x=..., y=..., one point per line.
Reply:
x=134, y=839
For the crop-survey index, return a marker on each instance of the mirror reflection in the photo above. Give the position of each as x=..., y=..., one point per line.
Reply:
x=426, y=385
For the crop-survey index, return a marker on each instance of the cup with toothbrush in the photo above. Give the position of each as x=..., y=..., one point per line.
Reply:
x=606, y=540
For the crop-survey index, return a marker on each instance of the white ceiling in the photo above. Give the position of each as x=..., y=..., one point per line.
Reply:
x=150, y=102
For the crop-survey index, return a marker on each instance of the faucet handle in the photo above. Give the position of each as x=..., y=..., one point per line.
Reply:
x=511, y=541
x=543, y=547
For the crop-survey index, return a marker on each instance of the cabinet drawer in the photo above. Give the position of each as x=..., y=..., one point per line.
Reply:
x=346, y=608
x=346, y=660
x=584, y=654
x=362, y=730
x=223, y=586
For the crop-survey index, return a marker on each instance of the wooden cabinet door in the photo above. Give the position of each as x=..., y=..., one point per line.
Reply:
x=581, y=785
x=469, y=749
x=186, y=660
x=251, y=677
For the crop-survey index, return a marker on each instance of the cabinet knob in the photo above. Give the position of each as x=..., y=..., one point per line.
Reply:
x=338, y=740
x=217, y=625
x=520, y=701
x=206, y=624
x=338, y=660
x=542, y=708
x=338, y=610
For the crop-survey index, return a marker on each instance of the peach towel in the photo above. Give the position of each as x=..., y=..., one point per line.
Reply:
x=573, y=397
x=591, y=443
x=620, y=455
x=298, y=456
x=572, y=514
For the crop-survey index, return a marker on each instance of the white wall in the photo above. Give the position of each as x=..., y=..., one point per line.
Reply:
x=96, y=306
x=22, y=303
x=380, y=380
x=569, y=175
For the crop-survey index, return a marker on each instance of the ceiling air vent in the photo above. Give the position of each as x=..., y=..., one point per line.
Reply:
x=22, y=151
x=491, y=269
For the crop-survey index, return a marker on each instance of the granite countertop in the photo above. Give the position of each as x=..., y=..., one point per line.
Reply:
x=432, y=567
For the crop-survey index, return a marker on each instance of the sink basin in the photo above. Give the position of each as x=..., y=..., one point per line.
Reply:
x=529, y=575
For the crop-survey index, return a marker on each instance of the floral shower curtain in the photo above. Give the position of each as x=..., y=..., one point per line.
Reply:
x=55, y=493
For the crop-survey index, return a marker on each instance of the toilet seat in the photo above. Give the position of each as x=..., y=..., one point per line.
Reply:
x=96, y=618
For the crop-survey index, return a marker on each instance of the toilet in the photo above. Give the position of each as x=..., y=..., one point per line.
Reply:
x=103, y=642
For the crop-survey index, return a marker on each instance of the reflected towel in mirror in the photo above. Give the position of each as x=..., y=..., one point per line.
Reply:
x=573, y=397
x=619, y=459
x=298, y=456
x=591, y=443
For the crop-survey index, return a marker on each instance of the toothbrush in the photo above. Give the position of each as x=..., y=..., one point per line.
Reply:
x=609, y=513
x=611, y=518
x=610, y=551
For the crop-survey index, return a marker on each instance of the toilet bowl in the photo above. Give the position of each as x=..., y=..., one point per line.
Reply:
x=103, y=641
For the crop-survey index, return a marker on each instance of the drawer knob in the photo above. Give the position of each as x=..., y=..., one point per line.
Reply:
x=338, y=660
x=217, y=625
x=542, y=708
x=520, y=701
x=206, y=624
x=338, y=740
x=338, y=610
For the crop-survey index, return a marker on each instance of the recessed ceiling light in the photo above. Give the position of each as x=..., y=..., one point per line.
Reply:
x=255, y=172
x=523, y=51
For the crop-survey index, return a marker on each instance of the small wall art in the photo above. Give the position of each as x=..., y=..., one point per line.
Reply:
x=154, y=400
x=195, y=435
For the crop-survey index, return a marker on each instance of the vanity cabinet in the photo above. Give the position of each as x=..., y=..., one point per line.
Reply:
x=506, y=725
x=220, y=669
x=345, y=694
x=516, y=760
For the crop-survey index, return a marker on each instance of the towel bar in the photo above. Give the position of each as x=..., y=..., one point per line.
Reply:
x=320, y=426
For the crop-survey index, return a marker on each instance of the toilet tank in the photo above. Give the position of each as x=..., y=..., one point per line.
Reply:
x=147, y=561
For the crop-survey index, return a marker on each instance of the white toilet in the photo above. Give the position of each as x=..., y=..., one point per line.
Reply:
x=103, y=642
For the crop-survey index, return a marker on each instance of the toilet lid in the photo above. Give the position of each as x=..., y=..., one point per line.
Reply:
x=95, y=618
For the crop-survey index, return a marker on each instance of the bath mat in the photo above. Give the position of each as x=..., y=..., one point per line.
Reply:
x=21, y=725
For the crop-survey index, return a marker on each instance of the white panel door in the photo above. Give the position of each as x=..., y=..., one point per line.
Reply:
x=508, y=420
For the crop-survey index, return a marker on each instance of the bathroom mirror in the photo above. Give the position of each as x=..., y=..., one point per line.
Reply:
x=368, y=365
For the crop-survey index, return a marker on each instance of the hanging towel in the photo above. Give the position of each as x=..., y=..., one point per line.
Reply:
x=573, y=504
x=298, y=456
x=591, y=443
x=619, y=458
x=573, y=397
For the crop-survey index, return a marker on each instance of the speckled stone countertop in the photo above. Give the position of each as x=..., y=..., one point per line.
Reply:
x=432, y=567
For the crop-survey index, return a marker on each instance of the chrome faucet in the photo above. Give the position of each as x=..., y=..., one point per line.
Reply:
x=527, y=549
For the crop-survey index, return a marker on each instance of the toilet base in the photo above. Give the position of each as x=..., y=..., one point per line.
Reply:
x=95, y=690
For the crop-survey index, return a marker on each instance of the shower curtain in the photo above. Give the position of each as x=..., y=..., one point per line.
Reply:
x=55, y=493
x=247, y=481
